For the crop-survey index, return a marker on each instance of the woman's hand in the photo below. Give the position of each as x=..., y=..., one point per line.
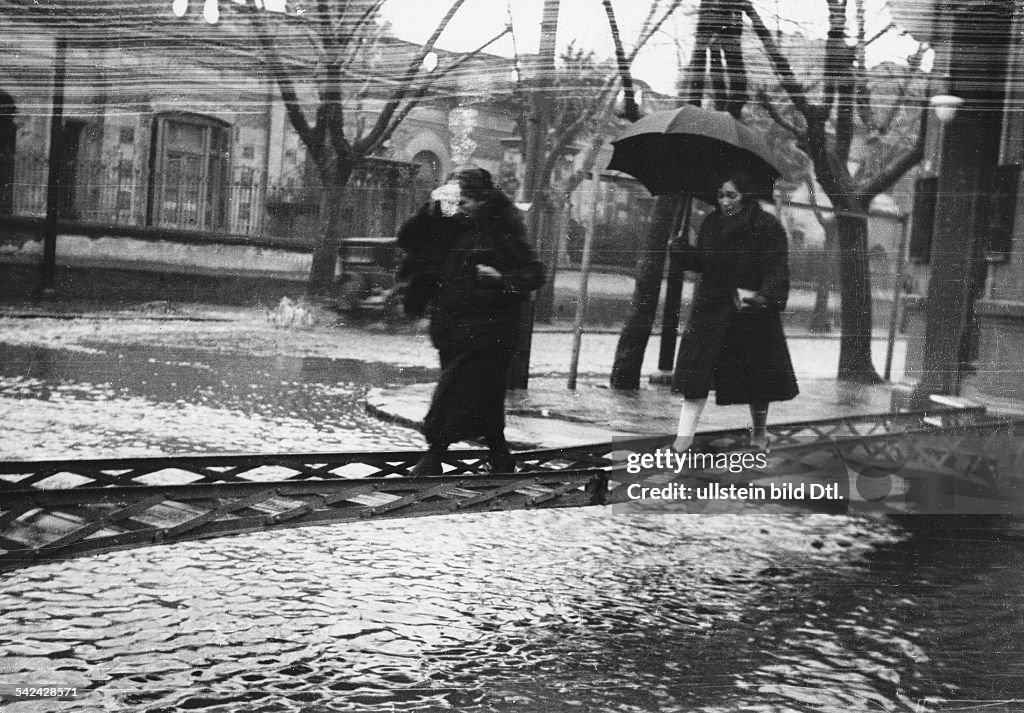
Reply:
x=447, y=197
x=488, y=272
x=756, y=303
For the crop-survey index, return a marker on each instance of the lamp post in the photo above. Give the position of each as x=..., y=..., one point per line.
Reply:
x=211, y=10
x=954, y=232
x=945, y=106
x=537, y=125
x=54, y=180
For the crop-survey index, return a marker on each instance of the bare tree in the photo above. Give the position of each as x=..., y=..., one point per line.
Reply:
x=325, y=48
x=821, y=318
x=716, y=53
x=581, y=101
x=822, y=117
x=824, y=124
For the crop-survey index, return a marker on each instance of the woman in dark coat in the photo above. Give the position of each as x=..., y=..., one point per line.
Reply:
x=733, y=342
x=468, y=264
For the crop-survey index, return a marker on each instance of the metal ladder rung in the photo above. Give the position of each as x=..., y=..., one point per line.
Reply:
x=276, y=505
x=40, y=529
x=171, y=513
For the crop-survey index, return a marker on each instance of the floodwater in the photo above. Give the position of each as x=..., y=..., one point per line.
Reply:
x=124, y=401
x=575, y=610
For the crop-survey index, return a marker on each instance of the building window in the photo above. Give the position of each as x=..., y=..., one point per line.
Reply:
x=429, y=173
x=189, y=184
x=922, y=220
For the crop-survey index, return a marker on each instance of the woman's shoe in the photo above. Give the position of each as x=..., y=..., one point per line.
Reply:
x=505, y=463
x=682, y=444
x=429, y=464
x=759, y=443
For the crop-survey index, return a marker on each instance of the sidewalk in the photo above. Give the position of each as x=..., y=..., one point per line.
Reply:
x=548, y=415
x=609, y=295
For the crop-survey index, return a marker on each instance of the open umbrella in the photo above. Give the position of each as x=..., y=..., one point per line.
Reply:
x=689, y=150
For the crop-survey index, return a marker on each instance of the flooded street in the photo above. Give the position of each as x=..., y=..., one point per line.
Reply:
x=572, y=610
x=131, y=400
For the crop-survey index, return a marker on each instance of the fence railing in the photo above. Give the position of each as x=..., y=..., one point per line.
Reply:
x=119, y=193
x=812, y=257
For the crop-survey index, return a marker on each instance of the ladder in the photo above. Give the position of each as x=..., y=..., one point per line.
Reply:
x=939, y=461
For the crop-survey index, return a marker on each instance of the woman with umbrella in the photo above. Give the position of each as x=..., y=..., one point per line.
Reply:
x=468, y=261
x=733, y=342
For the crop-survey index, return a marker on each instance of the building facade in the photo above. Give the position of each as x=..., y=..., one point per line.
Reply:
x=967, y=319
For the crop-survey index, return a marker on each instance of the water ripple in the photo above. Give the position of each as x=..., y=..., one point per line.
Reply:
x=540, y=611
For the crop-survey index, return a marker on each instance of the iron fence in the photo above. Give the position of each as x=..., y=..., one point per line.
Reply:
x=119, y=192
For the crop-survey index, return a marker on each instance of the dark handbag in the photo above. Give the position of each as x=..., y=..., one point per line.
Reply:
x=687, y=256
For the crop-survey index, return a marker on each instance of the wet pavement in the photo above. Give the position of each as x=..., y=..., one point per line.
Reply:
x=393, y=368
x=548, y=415
x=121, y=400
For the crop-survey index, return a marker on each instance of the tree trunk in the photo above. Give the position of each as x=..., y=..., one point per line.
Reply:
x=325, y=252
x=629, y=353
x=855, y=307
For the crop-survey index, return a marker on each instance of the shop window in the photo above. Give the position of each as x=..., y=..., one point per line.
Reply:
x=923, y=218
x=189, y=185
x=429, y=173
x=68, y=173
x=1003, y=211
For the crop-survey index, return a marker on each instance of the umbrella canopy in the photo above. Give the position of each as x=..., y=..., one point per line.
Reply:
x=690, y=150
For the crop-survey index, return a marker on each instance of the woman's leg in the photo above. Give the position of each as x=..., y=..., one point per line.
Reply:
x=502, y=460
x=431, y=462
x=435, y=422
x=759, y=425
x=493, y=415
x=689, y=415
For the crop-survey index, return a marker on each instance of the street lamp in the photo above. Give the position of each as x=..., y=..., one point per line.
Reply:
x=620, y=109
x=945, y=106
x=211, y=11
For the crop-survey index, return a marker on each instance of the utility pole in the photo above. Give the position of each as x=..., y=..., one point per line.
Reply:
x=54, y=178
x=540, y=81
x=969, y=147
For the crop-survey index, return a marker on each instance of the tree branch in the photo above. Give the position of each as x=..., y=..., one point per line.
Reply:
x=824, y=221
x=630, y=109
x=765, y=101
x=646, y=33
x=351, y=31
x=780, y=64
x=293, y=108
x=914, y=62
x=839, y=78
x=895, y=170
x=381, y=131
x=405, y=83
x=862, y=91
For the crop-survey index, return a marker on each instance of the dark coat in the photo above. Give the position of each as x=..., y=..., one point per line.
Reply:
x=740, y=353
x=469, y=312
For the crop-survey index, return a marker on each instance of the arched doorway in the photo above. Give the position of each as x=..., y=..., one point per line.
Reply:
x=429, y=174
